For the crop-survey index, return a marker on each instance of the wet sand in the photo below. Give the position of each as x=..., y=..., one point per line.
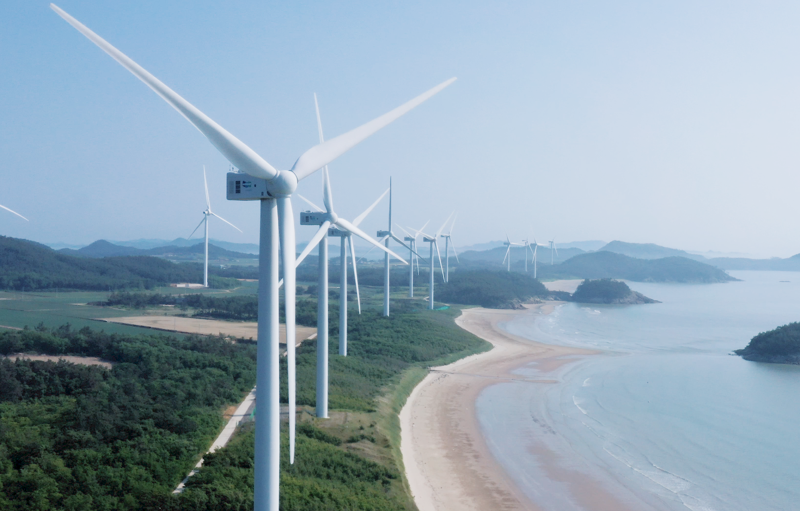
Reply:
x=448, y=463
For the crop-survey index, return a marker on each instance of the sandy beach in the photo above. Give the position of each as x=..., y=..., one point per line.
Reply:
x=448, y=464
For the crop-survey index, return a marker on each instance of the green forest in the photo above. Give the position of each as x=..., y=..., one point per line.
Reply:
x=492, y=289
x=601, y=290
x=85, y=437
x=781, y=345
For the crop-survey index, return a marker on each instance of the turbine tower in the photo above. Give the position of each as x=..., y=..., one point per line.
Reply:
x=509, y=244
x=273, y=188
x=412, y=243
x=207, y=213
x=553, y=249
x=385, y=236
x=14, y=212
x=533, y=258
x=447, y=248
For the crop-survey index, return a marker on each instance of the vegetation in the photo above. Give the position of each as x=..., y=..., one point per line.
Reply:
x=29, y=266
x=494, y=289
x=781, y=345
x=607, y=291
x=75, y=437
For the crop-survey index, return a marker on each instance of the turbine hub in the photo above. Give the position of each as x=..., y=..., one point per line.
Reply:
x=283, y=185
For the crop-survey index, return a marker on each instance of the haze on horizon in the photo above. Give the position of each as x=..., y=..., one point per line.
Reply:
x=672, y=123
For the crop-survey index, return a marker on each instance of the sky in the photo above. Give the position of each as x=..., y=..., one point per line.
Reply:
x=669, y=122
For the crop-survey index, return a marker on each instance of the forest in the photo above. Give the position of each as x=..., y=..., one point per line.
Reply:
x=781, y=345
x=491, y=289
x=86, y=437
x=30, y=266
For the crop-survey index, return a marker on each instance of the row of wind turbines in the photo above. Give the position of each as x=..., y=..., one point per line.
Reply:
x=529, y=248
x=258, y=180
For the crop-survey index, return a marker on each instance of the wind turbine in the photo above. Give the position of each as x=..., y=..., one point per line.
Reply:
x=384, y=237
x=553, y=249
x=447, y=249
x=261, y=181
x=14, y=212
x=433, y=240
x=534, y=259
x=326, y=219
x=207, y=213
x=412, y=242
x=509, y=244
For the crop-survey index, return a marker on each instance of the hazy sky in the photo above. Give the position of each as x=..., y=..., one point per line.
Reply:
x=668, y=122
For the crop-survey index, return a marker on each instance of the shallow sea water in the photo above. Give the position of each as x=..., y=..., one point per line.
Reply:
x=665, y=418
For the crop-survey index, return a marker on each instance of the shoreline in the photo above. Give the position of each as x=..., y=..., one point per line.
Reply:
x=449, y=464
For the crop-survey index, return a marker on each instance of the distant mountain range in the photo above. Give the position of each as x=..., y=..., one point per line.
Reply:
x=103, y=248
x=147, y=244
x=647, y=251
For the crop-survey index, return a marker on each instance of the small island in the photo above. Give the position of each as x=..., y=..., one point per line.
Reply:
x=779, y=346
x=608, y=291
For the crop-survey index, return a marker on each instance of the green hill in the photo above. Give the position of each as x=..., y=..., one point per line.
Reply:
x=493, y=289
x=29, y=266
x=608, y=291
x=103, y=248
x=609, y=265
x=780, y=346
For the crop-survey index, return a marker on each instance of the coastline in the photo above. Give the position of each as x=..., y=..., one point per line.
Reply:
x=448, y=463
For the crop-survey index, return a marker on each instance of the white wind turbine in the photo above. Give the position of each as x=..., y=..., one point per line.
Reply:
x=261, y=181
x=207, y=213
x=385, y=236
x=509, y=244
x=552, y=250
x=14, y=212
x=412, y=253
x=532, y=246
x=434, y=241
x=447, y=249
x=327, y=219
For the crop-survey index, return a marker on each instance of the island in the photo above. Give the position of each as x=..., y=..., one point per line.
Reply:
x=608, y=291
x=778, y=346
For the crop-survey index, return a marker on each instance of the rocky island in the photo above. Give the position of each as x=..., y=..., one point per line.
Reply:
x=779, y=346
x=608, y=291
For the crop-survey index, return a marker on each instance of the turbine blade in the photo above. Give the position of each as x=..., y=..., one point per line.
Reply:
x=319, y=120
x=404, y=231
x=454, y=249
x=453, y=224
x=355, y=272
x=321, y=232
x=360, y=218
x=327, y=193
x=361, y=234
x=195, y=229
x=216, y=215
x=22, y=217
x=507, y=251
x=372, y=248
x=288, y=247
x=233, y=149
x=324, y=153
x=443, y=225
x=406, y=246
x=205, y=182
x=440, y=257
x=316, y=208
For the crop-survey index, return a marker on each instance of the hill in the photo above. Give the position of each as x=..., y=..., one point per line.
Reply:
x=493, y=289
x=103, y=248
x=610, y=265
x=26, y=265
x=494, y=257
x=741, y=263
x=648, y=251
x=780, y=346
x=608, y=291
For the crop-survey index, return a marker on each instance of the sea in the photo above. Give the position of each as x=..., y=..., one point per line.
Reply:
x=665, y=418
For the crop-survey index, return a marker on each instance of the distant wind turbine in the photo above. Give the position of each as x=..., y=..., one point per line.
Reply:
x=553, y=249
x=207, y=213
x=447, y=248
x=509, y=244
x=434, y=241
x=412, y=243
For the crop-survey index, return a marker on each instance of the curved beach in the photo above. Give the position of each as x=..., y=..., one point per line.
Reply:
x=448, y=463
